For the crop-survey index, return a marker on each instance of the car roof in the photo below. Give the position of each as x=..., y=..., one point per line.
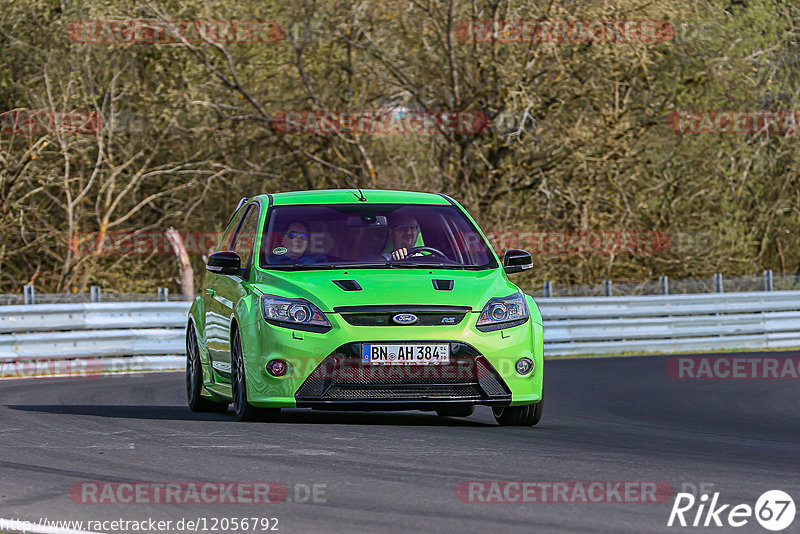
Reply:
x=351, y=196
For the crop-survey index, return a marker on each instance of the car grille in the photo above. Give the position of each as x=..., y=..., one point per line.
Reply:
x=465, y=392
x=383, y=315
x=456, y=373
x=342, y=376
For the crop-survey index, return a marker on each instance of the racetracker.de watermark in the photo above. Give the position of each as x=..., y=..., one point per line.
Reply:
x=92, y=492
x=734, y=122
x=150, y=525
x=176, y=31
x=565, y=31
x=48, y=368
x=202, y=492
x=396, y=368
x=569, y=491
x=46, y=121
x=734, y=368
x=581, y=241
x=381, y=122
x=141, y=243
x=561, y=242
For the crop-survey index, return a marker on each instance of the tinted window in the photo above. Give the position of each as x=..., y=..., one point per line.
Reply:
x=245, y=237
x=354, y=234
x=227, y=237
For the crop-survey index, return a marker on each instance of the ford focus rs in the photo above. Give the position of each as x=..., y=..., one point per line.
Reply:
x=373, y=300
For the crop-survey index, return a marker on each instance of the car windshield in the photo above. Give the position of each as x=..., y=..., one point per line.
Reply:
x=318, y=237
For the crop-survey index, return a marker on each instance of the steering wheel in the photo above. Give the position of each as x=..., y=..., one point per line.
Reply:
x=432, y=251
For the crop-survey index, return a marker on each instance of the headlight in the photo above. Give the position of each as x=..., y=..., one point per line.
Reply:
x=293, y=313
x=503, y=312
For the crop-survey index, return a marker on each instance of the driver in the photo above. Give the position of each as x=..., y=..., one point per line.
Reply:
x=295, y=247
x=405, y=231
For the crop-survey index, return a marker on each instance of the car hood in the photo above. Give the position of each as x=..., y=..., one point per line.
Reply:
x=401, y=287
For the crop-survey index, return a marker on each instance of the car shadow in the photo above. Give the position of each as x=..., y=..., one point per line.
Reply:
x=287, y=416
x=173, y=413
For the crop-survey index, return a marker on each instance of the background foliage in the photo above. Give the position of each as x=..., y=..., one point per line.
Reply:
x=579, y=139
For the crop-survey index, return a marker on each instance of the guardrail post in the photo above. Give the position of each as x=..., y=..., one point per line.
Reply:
x=663, y=282
x=717, y=283
x=768, y=280
x=607, y=287
x=94, y=293
x=163, y=294
x=29, y=295
x=548, y=289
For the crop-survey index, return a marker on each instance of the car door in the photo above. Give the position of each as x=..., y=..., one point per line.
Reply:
x=226, y=292
x=216, y=326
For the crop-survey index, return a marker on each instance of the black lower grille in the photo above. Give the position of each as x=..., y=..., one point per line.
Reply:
x=461, y=392
x=469, y=377
x=457, y=373
x=488, y=379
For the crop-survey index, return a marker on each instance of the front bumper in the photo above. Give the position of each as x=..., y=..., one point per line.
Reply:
x=325, y=370
x=342, y=381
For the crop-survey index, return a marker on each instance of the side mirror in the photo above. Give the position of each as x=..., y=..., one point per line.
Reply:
x=516, y=261
x=225, y=262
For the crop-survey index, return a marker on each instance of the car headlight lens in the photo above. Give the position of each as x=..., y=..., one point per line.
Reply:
x=503, y=312
x=299, y=313
x=292, y=312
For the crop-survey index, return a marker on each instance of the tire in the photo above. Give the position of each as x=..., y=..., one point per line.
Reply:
x=194, y=378
x=455, y=411
x=243, y=409
x=529, y=415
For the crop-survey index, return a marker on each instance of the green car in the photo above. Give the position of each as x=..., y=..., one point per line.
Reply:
x=362, y=300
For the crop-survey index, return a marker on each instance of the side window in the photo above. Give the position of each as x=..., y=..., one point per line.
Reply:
x=246, y=236
x=227, y=237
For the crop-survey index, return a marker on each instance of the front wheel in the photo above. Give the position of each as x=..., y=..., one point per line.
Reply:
x=529, y=415
x=194, y=378
x=243, y=409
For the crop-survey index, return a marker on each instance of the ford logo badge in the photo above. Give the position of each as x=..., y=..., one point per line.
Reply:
x=405, y=318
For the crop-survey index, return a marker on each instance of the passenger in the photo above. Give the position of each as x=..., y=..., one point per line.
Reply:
x=295, y=248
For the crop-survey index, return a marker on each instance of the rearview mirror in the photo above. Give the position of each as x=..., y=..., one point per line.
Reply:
x=367, y=220
x=225, y=262
x=516, y=261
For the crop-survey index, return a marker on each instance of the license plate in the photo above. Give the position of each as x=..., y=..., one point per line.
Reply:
x=405, y=354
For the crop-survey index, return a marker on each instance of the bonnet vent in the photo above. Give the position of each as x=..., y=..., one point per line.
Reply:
x=442, y=285
x=348, y=285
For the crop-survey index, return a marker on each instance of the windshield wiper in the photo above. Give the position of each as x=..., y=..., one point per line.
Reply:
x=412, y=264
x=356, y=265
x=292, y=266
x=310, y=266
x=301, y=266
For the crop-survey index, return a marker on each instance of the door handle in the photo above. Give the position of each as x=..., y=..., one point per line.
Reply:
x=210, y=292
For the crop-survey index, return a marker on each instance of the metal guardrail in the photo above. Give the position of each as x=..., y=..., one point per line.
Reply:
x=99, y=344
x=668, y=305
x=95, y=316
x=766, y=281
x=151, y=331
x=46, y=339
x=30, y=296
x=671, y=323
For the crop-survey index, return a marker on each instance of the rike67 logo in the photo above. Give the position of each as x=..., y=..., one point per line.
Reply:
x=774, y=510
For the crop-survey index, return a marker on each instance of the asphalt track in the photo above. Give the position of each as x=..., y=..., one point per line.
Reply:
x=606, y=419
